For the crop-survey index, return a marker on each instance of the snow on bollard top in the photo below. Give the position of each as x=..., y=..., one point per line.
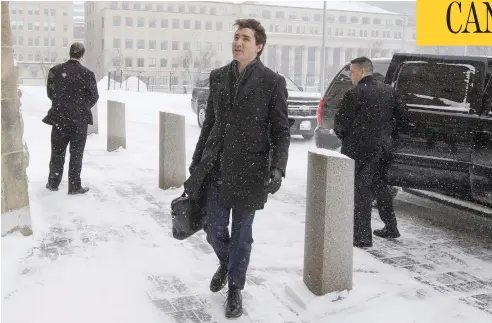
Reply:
x=327, y=153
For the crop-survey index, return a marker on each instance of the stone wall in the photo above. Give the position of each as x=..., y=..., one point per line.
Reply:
x=15, y=198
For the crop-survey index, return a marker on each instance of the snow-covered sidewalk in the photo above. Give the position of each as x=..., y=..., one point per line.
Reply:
x=108, y=256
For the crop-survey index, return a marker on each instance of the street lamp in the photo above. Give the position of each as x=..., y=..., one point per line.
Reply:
x=322, y=74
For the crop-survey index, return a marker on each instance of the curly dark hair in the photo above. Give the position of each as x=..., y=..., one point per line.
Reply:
x=259, y=30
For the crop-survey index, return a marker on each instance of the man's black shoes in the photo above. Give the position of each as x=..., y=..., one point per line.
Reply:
x=51, y=188
x=219, y=279
x=81, y=190
x=234, y=303
x=386, y=232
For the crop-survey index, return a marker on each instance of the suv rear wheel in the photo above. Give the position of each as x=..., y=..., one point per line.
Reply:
x=200, y=114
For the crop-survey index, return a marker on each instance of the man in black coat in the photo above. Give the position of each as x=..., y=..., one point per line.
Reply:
x=367, y=123
x=241, y=155
x=72, y=89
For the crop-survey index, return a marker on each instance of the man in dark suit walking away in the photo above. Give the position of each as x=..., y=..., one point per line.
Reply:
x=241, y=155
x=72, y=89
x=367, y=123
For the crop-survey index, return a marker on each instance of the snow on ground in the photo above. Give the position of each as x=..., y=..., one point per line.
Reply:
x=108, y=256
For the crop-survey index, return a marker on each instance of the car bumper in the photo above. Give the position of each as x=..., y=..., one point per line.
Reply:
x=324, y=139
x=303, y=126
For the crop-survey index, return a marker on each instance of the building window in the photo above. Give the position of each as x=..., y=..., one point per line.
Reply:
x=151, y=62
x=140, y=62
x=46, y=41
x=102, y=43
x=140, y=22
x=342, y=19
x=53, y=41
x=136, y=6
x=152, y=23
x=20, y=41
x=175, y=23
x=125, y=5
x=30, y=42
x=65, y=28
x=29, y=57
x=53, y=12
x=163, y=62
x=266, y=14
x=181, y=8
x=128, y=21
x=175, y=45
x=116, y=43
x=366, y=21
x=36, y=26
x=203, y=10
x=128, y=62
x=52, y=26
x=218, y=26
x=116, y=21
x=164, y=23
x=208, y=25
x=36, y=41
x=46, y=12
x=148, y=7
x=65, y=12
x=186, y=45
x=192, y=9
x=29, y=26
x=279, y=15
x=152, y=44
x=376, y=21
x=198, y=25
x=140, y=44
x=218, y=47
x=129, y=43
x=164, y=45
x=113, y=5
x=65, y=42
x=186, y=24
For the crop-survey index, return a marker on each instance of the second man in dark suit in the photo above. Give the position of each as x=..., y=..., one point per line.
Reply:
x=72, y=89
x=367, y=123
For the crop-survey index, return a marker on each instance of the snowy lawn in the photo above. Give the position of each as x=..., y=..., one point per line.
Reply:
x=108, y=256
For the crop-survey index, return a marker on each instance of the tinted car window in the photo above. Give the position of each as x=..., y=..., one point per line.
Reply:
x=342, y=83
x=449, y=90
x=338, y=87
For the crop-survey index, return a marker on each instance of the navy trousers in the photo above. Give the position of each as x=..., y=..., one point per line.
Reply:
x=232, y=250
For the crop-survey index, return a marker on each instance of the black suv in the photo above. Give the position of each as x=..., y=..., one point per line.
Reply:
x=446, y=146
x=302, y=106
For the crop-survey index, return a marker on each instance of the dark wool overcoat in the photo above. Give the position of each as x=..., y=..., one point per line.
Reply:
x=72, y=89
x=248, y=129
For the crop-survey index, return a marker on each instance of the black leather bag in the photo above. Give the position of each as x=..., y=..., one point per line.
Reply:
x=188, y=217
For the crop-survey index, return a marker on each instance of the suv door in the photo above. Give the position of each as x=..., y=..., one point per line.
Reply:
x=481, y=170
x=443, y=96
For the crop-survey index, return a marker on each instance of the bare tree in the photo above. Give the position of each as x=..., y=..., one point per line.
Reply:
x=46, y=64
x=197, y=62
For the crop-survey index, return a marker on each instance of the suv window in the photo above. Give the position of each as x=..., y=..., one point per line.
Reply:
x=447, y=89
x=342, y=83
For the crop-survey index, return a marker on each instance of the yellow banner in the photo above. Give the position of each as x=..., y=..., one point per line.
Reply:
x=448, y=23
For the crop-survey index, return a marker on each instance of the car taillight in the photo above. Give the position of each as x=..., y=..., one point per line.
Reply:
x=320, y=112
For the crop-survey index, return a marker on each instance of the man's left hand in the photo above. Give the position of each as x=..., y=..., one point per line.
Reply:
x=275, y=181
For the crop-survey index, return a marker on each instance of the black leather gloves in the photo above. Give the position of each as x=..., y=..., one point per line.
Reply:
x=275, y=181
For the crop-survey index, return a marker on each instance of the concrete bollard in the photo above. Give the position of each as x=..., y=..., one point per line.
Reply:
x=328, y=247
x=94, y=127
x=116, y=125
x=172, y=150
